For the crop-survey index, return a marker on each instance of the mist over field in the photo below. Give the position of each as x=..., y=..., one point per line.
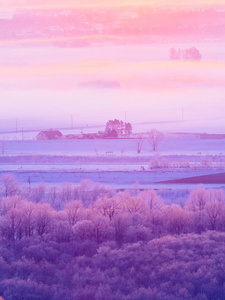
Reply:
x=123, y=58
x=68, y=80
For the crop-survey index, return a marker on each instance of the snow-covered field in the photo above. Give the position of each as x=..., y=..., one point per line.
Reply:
x=171, y=145
x=115, y=162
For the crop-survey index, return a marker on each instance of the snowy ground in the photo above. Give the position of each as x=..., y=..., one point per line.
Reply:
x=116, y=162
x=171, y=145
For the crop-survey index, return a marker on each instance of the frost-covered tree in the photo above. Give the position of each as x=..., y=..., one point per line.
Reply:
x=66, y=192
x=9, y=186
x=44, y=217
x=84, y=230
x=101, y=229
x=120, y=225
x=108, y=207
x=176, y=219
x=134, y=204
x=28, y=212
x=151, y=198
x=215, y=209
x=88, y=191
x=74, y=211
x=196, y=204
x=154, y=138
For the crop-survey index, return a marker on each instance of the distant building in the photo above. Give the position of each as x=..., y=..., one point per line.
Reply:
x=70, y=137
x=49, y=135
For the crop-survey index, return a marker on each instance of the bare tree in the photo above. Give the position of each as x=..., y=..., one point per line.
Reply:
x=44, y=217
x=196, y=204
x=134, y=205
x=139, y=143
x=74, y=211
x=38, y=192
x=11, y=226
x=177, y=219
x=152, y=199
x=108, y=207
x=120, y=225
x=9, y=185
x=154, y=137
x=66, y=192
x=29, y=218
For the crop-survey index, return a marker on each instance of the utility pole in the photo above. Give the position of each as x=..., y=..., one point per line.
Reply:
x=125, y=117
x=16, y=125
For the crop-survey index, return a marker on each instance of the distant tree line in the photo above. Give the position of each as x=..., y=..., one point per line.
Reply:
x=185, y=54
x=202, y=22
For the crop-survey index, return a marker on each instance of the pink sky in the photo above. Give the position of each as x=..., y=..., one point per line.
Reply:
x=100, y=3
x=34, y=79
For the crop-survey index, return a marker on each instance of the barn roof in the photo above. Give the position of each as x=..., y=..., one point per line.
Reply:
x=51, y=134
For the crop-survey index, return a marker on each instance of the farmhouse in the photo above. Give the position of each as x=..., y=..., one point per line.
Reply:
x=49, y=135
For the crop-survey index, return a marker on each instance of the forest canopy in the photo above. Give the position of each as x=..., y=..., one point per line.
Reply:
x=100, y=244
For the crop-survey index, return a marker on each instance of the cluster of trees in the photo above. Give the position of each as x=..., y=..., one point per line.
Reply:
x=185, y=54
x=174, y=267
x=57, y=195
x=116, y=128
x=129, y=245
x=121, y=218
x=204, y=209
x=158, y=162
